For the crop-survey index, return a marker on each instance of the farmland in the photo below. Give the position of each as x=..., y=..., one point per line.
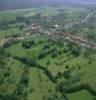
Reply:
x=36, y=64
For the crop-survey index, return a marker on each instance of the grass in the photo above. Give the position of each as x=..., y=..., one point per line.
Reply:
x=9, y=31
x=39, y=84
x=12, y=14
x=81, y=95
x=16, y=69
x=65, y=59
x=18, y=50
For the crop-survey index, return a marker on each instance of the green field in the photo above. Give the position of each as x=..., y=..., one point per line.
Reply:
x=62, y=60
x=38, y=81
x=12, y=14
x=81, y=95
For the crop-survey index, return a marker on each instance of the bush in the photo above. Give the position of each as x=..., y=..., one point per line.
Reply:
x=27, y=44
x=75, y=51
x=67, y=74
x=55, y=54
x=48, y=62
x=46, y=46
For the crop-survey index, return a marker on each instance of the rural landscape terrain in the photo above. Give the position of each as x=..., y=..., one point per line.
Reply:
x=48, y=53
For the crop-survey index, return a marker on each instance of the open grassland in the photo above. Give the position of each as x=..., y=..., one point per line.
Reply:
x=12, y=14
x=46, y=11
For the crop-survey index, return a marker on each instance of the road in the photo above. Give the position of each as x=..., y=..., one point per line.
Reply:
x=79, y=22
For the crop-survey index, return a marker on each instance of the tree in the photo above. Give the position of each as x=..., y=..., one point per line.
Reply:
x=75, y=50
x=48, y=62
x=94, y=97
x=27, y=44
x=67, y=74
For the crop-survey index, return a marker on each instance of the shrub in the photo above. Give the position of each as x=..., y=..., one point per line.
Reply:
x=27, y=44
x=75, y=51
x=48, y=62
x=67, y=74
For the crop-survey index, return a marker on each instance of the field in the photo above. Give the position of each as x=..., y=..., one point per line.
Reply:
x=42, y=67
x=82, y=95
x=57, y=65
x=12, y=14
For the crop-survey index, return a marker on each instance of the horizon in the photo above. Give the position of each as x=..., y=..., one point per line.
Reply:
x=35, y=3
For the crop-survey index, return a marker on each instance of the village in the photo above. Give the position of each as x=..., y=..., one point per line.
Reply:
x=55, y=32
